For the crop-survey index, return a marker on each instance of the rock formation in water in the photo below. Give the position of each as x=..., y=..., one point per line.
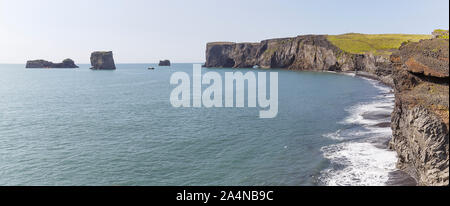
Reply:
x=66, y=63
x=164, y=63
x=102, y=60
x=420, y=121
x=309, y=52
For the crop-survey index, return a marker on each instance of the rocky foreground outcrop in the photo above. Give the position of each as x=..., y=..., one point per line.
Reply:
x=420, y=121
x=102, y=60
x=440, y=34
x=308, y=52
x=164, y=63
x=66, y=63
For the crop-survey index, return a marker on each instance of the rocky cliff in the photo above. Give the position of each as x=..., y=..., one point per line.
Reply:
x=420, y=121
x=102, y=60
x=66, y=63
x=309, y=52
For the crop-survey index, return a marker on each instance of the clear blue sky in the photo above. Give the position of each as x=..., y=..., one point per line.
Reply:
x=148, y=30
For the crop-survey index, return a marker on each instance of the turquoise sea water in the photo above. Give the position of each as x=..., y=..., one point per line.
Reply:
x=83, y=127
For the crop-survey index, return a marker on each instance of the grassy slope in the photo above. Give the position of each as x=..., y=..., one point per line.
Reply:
x=441, y=33
x=378, y=44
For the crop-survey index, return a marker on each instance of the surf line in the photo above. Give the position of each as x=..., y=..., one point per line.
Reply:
x=234, y=87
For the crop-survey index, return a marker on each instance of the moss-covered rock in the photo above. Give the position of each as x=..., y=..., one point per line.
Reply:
x=440, y=34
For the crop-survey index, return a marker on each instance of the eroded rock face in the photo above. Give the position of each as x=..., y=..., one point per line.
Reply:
x=301, y=53
x=309, y=52
x=102, y=60
x=428, y=57
x=66, y=63
x=164, y=63
x=420, y=121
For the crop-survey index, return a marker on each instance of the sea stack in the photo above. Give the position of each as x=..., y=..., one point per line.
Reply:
x=102, y=60
x=66, y=63
x=164, y=63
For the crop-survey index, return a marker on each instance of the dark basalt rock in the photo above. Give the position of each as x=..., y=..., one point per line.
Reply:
x=420, y=121
x=427, y=57
x=66, y=63
x=164, y=63
x=308, y=52
x=102, y=60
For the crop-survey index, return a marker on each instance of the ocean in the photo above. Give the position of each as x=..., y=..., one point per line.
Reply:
x=84, y=127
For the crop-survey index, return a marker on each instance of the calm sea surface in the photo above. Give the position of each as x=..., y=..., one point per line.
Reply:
x=83, y=127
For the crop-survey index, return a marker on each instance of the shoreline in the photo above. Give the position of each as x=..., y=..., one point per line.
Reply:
x=417, y=70
x=398, y=177
x=361, y=155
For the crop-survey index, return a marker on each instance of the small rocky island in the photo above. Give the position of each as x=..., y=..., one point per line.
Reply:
x=164, y=63
x=102, y=60
x=37, y=64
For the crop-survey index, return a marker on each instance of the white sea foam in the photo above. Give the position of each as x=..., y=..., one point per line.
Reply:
x=363, y=132
x=383, y=104
x=358, y=160
x=362, y=164
x=382, y=107
x=352, y=74
x=335, y=135
x=378, y=85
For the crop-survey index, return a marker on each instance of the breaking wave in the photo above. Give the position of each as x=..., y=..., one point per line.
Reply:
x=361, y=157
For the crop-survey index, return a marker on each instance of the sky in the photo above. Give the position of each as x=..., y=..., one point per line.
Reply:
x=145, y=31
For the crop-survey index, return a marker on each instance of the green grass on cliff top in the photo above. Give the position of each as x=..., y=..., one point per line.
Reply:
x=378, y=44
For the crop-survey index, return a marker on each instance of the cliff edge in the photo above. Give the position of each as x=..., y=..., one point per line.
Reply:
x=308, y=52
x=420, y=121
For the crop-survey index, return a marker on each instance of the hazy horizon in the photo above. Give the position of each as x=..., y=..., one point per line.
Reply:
x=148, y=31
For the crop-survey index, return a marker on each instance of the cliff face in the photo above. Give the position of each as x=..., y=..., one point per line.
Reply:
x=66, y=63
x=420, y=121
x=303, y=53
x=309, y=52
x=102, y=61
